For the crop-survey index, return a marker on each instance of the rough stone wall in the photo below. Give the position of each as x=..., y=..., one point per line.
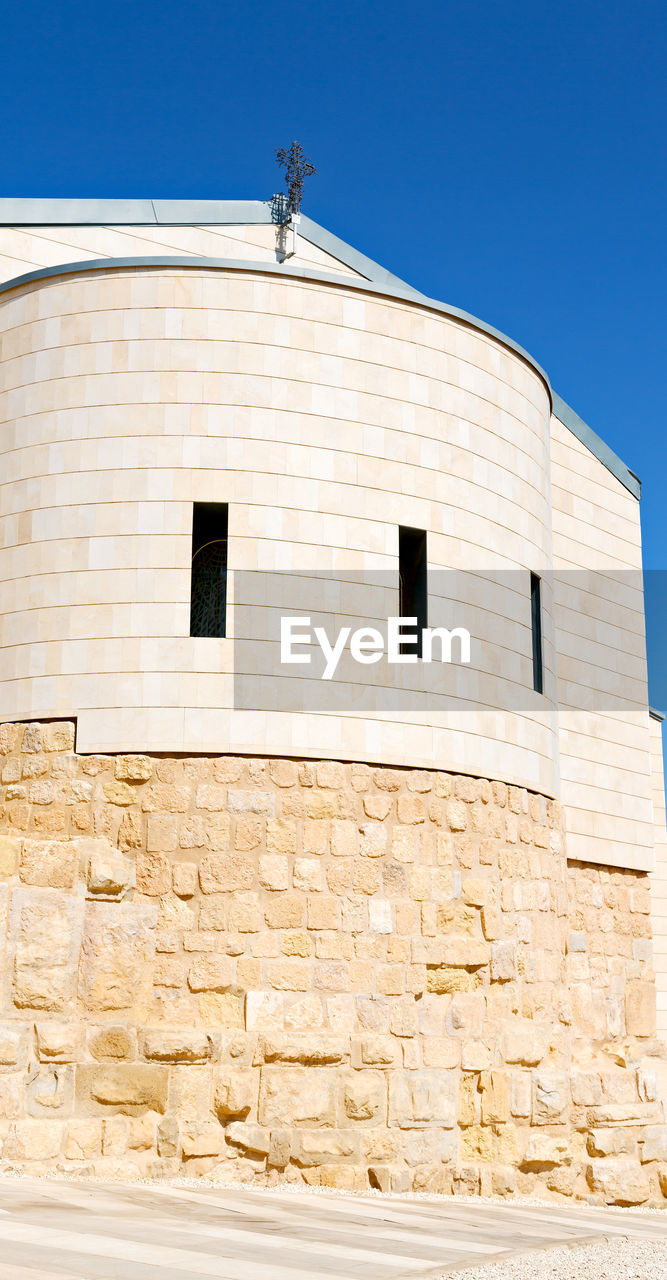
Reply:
x=276, y=969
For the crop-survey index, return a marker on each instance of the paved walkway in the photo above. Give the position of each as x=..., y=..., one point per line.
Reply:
x=75, y=1231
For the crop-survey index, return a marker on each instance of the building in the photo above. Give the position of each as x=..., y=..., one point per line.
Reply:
x=399, y=946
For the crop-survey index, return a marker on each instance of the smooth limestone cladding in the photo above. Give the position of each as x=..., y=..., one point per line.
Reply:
x=268, y=969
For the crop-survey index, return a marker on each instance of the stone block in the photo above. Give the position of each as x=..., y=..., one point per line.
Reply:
x=290, y=974
x=167, y=1138
x=445, y=980
x=457, y=815
x=320, y=805
x=640, y=1015
x=495, y=1089
x=551, y=1097
x=201, y=1138
x=211, y=973
x=226, y=873
x=185, y=1044
x=475, y=1055
x=248, y=1137
x=12, y=1095
x=153, y=872
x=503, y=962
x=13, y=1044
x=618, y=1181
x=624, y=1113
x=325, y=1146
x=308, y=875
x=262, y=802
x=185, y=879
x=130, y=1087
x=108, y=874
x=218, y=828
x=141, y=1134
x=441, y=1051
x=297, y=1096
x=264, y=1010
x=130, y=831
x=53, y=864
x=544, y=1150
x=235, y=1092
x=274, y=872
x=373, y=840
x=491, y=923
x=281, y=836
x=34, y=1140
x=320, y=1049
x=324, y=912
x=57, y=736
x=465, y=1016
x=45, y=930
x=10, y=852
x=476, y=1144
x=611, y=1142
x=459, y=951
x=118, y=793
x=344, y=838
x=379, y=916
x=375, y=1050
x=211, y=797
x=227, y=769
x=420, y=1099
x=249, y=832
x=115, y=1132
x=284, y=773
x=655, y=1143
x=161, y=833
x=524, y=1041
x=58, y=1041
x=9, y=737
x=84, y=1139
x=586, y=1088
x=117, y=953
x=503, y=1180
x=111, y=1043
x=133, y=768
x=365, y=1096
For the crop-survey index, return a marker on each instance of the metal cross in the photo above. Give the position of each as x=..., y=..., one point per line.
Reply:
x=297, y=167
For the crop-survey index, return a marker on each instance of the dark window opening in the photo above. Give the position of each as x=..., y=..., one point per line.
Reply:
x=208, y=591
x=412, y=578
x=536, y=621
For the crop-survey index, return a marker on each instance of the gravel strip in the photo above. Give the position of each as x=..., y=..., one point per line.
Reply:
x=620, y=1260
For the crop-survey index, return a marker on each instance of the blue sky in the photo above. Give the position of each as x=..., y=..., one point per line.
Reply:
x=507, y=158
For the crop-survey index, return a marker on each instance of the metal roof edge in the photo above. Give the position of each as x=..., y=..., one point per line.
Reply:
x=596, y=446
x=39, y=211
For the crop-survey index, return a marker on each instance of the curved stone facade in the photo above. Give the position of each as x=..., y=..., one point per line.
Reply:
x=327, y=417
x=269, y=969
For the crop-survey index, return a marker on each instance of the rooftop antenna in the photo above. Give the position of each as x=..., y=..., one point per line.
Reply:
x=297, y=166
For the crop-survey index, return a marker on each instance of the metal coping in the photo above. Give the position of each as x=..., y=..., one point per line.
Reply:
x=65, y=212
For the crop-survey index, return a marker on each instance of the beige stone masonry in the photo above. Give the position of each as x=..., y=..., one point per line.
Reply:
x=269, y=969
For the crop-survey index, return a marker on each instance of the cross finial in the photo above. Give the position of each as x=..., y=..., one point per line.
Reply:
x=297, y=167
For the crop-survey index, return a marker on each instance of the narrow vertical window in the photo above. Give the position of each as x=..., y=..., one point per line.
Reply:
x=536, y=619
x=412, y=577
x=208, y=590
